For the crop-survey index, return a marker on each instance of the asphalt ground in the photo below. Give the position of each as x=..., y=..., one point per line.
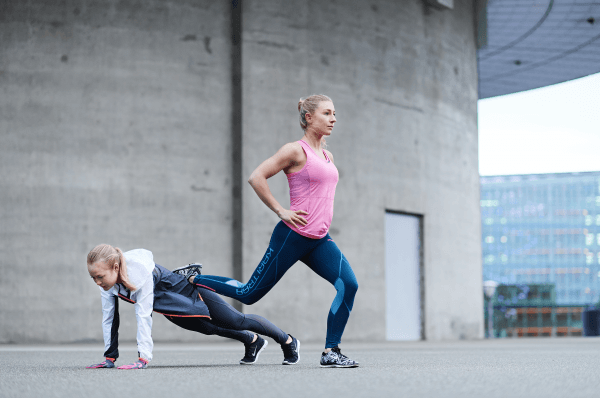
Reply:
x=533, y=367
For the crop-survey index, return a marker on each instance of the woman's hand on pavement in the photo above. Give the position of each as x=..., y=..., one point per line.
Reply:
x=141, y=363
x=107, y=363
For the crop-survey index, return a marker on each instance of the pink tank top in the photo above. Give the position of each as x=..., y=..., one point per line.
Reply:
x=312, y=189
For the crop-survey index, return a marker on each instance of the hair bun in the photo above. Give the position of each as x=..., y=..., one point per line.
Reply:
x=300, y=102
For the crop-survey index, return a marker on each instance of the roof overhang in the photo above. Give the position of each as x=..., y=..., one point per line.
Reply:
x=527, y=44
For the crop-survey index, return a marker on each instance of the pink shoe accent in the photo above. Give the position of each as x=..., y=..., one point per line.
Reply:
x=141, y=363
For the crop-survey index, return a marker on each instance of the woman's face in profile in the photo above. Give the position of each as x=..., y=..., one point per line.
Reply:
x=104, y=275
x=324, y=118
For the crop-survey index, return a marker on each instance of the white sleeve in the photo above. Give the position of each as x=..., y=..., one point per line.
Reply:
x=144, y=303
x=108, y=315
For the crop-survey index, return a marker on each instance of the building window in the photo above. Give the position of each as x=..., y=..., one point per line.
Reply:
x=589, y=239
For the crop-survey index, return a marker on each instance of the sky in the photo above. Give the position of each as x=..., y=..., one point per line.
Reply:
x=554, y=129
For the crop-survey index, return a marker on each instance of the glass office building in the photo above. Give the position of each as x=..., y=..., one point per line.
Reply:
x=544, y=229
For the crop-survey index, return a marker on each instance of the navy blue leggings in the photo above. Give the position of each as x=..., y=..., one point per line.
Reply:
x=228, y=322
x=285, y=249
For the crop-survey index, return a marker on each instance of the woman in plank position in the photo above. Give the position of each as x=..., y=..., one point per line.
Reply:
x=134, y=277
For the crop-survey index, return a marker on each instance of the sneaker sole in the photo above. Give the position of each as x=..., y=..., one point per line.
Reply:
x=298, y=360
x=257, y=354
x=339, y=366
x=185, y=267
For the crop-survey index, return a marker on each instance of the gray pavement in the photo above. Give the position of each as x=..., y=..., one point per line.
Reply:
x=558, y=367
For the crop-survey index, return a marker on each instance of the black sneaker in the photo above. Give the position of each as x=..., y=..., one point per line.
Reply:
x=291, y=352
x=253, y=350
x=192, y=269
x=335, y=359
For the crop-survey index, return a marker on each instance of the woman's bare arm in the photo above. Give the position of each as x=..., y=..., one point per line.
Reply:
x=288, y=157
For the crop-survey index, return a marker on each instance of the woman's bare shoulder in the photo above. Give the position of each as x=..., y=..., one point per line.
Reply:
x=329, y=154
x=290, y=157
x=294, y=146
x=291, y=150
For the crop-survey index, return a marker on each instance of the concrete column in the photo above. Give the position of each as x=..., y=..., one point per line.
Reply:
x=403, y=78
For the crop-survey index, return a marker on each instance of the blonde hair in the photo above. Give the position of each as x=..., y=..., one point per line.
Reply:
x=107, y=254
x=310, y=105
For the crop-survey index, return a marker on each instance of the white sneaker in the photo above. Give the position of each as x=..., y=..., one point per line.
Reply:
x=192, y=269
x=335, y=359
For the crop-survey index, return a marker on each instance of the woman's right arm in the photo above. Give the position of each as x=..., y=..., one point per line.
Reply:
x=290, y=156
x=110, y=324
x=110, y=327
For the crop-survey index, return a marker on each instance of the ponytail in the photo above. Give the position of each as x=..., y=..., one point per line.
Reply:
x=123, y=271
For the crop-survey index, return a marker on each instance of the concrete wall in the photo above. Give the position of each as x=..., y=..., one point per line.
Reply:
x=404, y=82
x=115, y=126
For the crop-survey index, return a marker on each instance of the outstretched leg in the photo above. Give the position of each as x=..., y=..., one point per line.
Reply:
x=225, y=316
x=285, y=248
x=205, y=326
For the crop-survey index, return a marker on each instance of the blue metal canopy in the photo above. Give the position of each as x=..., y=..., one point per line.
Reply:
x=537, y=43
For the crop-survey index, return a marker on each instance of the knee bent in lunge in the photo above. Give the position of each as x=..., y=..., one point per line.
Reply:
x=351, y=286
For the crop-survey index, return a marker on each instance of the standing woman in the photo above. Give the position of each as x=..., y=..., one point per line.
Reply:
x=302, y=234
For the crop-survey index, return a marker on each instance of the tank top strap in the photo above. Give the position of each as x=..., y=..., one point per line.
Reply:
x=306, y=147
x=310, y=152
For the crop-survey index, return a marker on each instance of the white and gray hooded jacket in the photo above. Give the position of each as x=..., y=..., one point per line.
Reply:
x=140, y=264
